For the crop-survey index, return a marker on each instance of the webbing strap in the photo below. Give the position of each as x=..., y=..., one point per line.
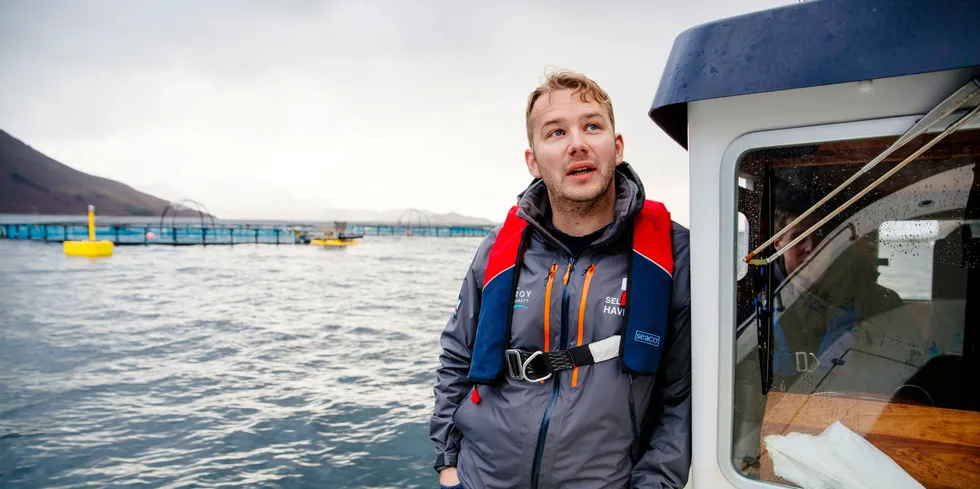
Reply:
x=537, y=366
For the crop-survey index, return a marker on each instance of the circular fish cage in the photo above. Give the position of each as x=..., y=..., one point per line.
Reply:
x=413, y=221
x=175, y=208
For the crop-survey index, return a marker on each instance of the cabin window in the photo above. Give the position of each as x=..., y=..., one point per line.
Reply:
x=874, y=319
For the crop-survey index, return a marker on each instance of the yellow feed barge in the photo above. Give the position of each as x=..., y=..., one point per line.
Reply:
x=333, y=242
x=90, y=248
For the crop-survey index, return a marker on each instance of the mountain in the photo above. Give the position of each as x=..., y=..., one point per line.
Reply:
x=414, y=217
x=32, y=183
x=270, y=202
x=241, y=199
x=163, y=191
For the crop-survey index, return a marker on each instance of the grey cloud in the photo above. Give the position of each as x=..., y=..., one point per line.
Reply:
x=441, y=82
x=78, y=69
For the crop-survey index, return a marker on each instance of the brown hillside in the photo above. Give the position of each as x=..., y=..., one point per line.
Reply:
x=32, y=183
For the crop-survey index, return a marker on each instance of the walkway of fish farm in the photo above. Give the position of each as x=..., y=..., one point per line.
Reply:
x=397, y=230
x=218, y=234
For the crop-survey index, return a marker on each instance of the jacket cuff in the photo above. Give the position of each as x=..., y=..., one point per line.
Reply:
x=445, y=459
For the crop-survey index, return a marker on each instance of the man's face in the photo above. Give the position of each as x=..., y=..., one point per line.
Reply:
x=575, y=150
x=795, y=256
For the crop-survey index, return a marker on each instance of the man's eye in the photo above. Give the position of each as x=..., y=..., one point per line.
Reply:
x=593, y=127
x=556, y=132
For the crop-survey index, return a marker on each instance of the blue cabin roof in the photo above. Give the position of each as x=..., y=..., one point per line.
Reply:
x=810, y=44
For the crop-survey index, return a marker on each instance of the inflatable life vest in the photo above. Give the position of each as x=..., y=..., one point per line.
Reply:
x=647, y=300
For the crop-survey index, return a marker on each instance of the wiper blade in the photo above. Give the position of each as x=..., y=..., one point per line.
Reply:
x=938, y=113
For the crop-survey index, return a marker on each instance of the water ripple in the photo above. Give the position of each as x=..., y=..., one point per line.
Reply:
x=256, y=366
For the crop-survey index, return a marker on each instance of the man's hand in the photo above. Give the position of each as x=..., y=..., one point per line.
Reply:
x=448, y=477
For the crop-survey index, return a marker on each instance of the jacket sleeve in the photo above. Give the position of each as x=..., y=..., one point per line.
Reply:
x=454, y=360
x=666, y=463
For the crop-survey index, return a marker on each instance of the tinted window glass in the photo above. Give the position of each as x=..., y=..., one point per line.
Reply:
x=873, y=320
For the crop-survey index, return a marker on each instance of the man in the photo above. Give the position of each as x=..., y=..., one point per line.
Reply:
x=821, y=308
x=567, y=363
x=791, y=203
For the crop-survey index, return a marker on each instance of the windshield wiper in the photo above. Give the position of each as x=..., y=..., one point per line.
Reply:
x=940, y=112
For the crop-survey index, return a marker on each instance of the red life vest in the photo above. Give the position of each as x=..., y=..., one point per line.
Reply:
x=647, y=294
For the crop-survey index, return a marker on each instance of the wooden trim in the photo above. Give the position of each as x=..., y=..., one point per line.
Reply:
x=940, y=448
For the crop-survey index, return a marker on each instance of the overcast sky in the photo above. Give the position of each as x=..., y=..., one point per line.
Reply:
x=355, y=104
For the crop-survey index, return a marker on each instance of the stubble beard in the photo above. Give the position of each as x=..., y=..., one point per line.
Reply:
x=581, y=207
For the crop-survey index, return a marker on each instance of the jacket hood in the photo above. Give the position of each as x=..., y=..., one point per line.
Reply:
x=535, y=208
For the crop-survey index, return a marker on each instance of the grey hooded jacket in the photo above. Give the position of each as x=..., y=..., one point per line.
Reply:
x=610, y=431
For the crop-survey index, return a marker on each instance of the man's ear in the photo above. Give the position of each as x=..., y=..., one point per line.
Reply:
x=532, y=163
x=619, y=149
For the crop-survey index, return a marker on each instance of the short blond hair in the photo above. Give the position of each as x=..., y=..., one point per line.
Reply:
x=568, y=80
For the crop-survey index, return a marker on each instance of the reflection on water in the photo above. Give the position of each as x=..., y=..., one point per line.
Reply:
x=250, y=365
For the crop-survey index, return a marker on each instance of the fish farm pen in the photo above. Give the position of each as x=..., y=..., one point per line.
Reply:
x=397, y=230
x=217, y=234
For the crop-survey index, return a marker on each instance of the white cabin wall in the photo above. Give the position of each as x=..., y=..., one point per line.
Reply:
x=713, y=125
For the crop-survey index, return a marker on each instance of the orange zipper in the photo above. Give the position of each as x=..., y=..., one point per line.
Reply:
x=581, y=314
x=547, y=307
x=568, y=271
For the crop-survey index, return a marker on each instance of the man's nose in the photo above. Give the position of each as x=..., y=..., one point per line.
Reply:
x=576, y=144
x=806, y=245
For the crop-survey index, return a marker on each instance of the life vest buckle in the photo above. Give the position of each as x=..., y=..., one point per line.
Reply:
x=517, y=366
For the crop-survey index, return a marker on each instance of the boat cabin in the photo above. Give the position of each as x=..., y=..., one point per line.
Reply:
x=835, y=234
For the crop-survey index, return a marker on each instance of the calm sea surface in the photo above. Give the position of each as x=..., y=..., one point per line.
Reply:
x=258, y=366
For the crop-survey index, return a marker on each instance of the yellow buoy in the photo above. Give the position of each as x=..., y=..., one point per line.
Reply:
x=90, y=248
